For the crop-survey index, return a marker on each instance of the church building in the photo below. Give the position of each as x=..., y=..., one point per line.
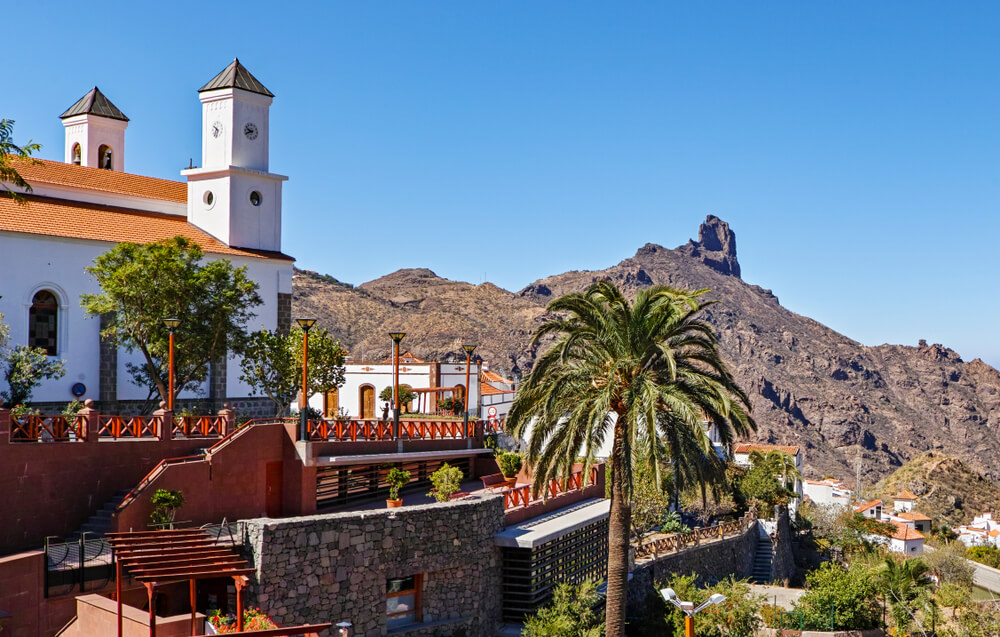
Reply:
x=77, y=210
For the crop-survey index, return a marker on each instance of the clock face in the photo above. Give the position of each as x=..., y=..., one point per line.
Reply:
x=250, y=130
x=216, y=129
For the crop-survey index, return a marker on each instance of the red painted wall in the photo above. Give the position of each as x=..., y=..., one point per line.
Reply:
x=51, y=488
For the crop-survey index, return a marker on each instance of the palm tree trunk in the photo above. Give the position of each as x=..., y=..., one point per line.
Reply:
x=618, y=533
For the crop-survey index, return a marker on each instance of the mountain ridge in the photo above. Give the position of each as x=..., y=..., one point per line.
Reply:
x=809, y=385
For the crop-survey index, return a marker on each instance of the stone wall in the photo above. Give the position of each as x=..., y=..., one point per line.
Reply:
x=712, y=561
x=782, y=554
x=331, y=568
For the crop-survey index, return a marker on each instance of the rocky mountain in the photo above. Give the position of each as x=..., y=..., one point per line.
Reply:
x=811, y=386
x=947, y=489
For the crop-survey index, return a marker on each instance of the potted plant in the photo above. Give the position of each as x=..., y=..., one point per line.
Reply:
x=447, y=481
x=510, y=464
x=397, y=479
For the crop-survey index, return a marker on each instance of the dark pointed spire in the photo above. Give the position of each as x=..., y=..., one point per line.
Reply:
x=94, y=103
x=236, y=76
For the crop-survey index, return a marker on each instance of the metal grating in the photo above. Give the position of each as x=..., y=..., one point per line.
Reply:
x=530, y=575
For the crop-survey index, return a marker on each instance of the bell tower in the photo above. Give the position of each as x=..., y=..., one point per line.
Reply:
x=232, y=196
x=95, y=132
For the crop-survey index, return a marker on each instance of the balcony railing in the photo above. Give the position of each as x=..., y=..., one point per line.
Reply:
x=116, y=427
x=382, y=430
x=200, y=426
x=31, y=428
x=521, y=496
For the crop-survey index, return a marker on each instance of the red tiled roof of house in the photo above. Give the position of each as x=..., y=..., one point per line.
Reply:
x=915, y=516
x=747, y=447
x=493, y=377
x=57, y=173
x=77, y=220
x=489, y=390
x=905, y=494
x=904, y=532
x=864, y=507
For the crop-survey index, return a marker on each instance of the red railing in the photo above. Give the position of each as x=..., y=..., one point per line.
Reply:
x=128, y=426
x=199, y=426
x=379, y=430
x=521, y=496
x=32, y=428
x=493, y=426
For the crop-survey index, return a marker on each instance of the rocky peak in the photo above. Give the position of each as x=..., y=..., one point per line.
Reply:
x=715, y=247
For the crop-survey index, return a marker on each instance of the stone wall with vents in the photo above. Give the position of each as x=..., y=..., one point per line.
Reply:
x=335, y=567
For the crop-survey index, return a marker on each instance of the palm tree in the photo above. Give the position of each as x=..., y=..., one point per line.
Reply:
x=637, y=372
x=779, y=462
x=906, y=584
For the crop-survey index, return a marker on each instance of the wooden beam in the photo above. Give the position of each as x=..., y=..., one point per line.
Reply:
x=180, y=571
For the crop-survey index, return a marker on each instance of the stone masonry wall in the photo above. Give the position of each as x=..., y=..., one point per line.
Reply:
x=712, y=561
x=284, y=313
x=332, y=568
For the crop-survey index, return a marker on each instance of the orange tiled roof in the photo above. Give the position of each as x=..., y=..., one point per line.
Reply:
x=96, y=179
x=747, y=447
x=76, y=220
x=915, y=516
x=489, y=390
x=493, y=377
x=904, y=532
x=864, y=507
x=905, y=494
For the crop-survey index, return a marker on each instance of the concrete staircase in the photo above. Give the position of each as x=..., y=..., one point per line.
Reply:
x=100, y=522
x=761, y=573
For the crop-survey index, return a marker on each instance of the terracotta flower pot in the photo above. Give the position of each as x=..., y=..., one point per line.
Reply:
x=393, y=504
x=510, y=483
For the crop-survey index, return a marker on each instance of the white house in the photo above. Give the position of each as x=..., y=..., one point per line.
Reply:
x=904, y=500
x=906, y=540
x=827, y=492
x=497, y=395
x=871, y=509
x=77, y=210
x=431, y=382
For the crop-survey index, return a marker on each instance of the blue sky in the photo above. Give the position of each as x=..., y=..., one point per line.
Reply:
x=853, y=147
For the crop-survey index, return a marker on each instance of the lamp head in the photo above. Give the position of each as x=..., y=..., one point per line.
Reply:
x=305, y=323
x=668, y=594
x=171, y=323
x=397, y=336
x=717, y=598
x=469, y=348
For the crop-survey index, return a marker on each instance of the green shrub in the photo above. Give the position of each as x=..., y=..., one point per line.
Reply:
x=737, y=616
x=510, y=463
x=165, y=505
x=570, y=614
x=845, y=597
x=447, y=481
x=988, y=555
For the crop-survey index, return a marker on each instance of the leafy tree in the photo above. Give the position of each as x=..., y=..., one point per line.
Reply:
x=272, y=364
x=907, y=587
x=988, y=555
x=651, y=502
x=949, y=563
x=8, y=151
x=570, y=613
x=144, y=284
x=845, y=597
x=405, y=396
x=26, y=367
x=612, y=368
x=769, y=477
x=737, y=616
x=976, y=620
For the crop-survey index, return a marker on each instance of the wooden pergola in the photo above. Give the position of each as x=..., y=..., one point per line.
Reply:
x=432, y=393
x=165, y=557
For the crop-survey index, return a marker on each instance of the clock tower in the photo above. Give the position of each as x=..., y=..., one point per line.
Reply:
x=232, y=196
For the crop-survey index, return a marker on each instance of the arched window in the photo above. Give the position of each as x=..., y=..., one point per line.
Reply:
x=43, y=322
x=367, y=401
x=104, y=157
x=77, y=159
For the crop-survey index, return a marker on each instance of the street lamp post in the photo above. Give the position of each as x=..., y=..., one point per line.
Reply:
x=171, y=324
x=469, y=348
x=305, y=324
x=688, y=607
x=396, y=338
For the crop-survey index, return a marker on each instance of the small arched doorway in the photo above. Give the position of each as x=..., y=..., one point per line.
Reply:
x=367, y=401
x=43, y=322
x=458, y=404
x=331, y=403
